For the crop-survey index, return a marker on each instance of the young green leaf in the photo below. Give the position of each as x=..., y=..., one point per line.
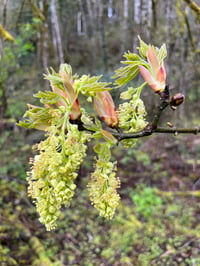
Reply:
x=48, y=97
x=127, y=73
x=90, y=85
x=142, y=48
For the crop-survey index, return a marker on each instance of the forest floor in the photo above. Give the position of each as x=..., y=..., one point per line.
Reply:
x=157, y=222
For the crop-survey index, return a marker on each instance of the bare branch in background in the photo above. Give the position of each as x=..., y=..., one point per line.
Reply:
x=194, y=7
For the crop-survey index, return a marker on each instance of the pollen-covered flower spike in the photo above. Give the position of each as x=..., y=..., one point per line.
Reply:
x=105, y=107
x=155, y=75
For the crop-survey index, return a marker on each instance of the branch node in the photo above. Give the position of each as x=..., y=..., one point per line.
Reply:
x=197, y=129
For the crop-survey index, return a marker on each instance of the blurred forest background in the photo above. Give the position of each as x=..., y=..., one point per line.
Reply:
x=158, y=221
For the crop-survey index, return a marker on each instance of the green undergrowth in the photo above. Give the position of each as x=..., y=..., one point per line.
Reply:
x=13, y=153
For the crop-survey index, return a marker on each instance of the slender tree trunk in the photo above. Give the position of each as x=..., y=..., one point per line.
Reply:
x=154, y=14
x=182, y=77
x=91, y=34
x=3, y=96
x=57, y=41
x=125, y=25
x=136, y=18
x=141, y=12
x=20, y=12
x=40, y=9
x=5, y=2
x=137, y=12
x=90, y=18
x=169, y=38
x=80, y=3
x=149, y=14
x=190, y=35
x=44, y=41
x=102, y=36
x=147, y=18
x=3, y=99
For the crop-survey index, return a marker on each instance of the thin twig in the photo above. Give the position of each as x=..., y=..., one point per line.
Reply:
x=175, y=130
x=149, y=131
x=194, y=7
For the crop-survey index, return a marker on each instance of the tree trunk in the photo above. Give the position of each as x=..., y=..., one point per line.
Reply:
x=3, y=99
x=136, y=17
x=43, y=43
x=56, y=36
x=5, y=2
x=125, y=25
x=154, y=14
x=90, y=18
x=91, y=34
x=44, y=37
x=80, y=3
x=169, y=38
x=102, y=37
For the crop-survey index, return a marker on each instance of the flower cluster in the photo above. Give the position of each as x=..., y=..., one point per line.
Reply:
x=103, y=184
x=132, y=113
x=51, y=180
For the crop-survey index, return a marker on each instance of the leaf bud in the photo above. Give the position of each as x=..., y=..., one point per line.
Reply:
x=176, y=100
x=105, y=107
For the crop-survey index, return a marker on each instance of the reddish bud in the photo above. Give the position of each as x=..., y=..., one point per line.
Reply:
x=176, y=100
x=105, y=107
x=70, y=94
x=155, y=76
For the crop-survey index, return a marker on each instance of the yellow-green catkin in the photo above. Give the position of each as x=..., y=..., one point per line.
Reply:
x=51, y=179
x=103, y=187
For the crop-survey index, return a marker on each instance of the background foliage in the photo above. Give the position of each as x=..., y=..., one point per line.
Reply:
x=160, y=176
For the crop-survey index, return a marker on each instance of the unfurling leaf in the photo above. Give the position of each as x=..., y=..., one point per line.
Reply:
x=154, y=72
x=90, y=85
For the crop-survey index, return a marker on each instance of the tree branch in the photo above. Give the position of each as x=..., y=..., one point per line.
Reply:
x=194, y=7
x=157, y=116
x=175, y=130
x=152, y=127
x=149, y=131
